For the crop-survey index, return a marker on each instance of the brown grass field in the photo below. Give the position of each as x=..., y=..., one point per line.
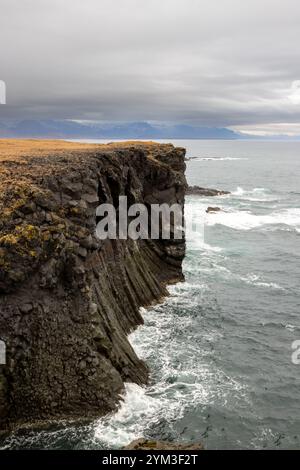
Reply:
x=10, y=149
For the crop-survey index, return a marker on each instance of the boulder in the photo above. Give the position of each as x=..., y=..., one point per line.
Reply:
x=205, y=192
x=213, y=209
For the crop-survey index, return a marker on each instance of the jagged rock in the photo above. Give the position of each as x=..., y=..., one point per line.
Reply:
x=206, y=192
x=26, y=308
x=29, y=207
x=213, y=209
x=91, y=198
x=46, y=202
x=147, y=444
x=69, y=356
x=73, y=189
x=82, y=252
x=87, y=242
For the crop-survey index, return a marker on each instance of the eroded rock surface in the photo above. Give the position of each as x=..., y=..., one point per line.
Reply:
x=67, y=299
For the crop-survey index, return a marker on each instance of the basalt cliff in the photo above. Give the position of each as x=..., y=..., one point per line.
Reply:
x=68, y=300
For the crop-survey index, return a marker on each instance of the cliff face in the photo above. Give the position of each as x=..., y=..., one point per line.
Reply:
x=67, y=299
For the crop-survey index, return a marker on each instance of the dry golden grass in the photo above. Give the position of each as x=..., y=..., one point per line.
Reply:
x=25, y=162
x=12, y=149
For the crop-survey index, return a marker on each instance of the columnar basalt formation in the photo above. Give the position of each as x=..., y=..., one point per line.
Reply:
x=67, y=299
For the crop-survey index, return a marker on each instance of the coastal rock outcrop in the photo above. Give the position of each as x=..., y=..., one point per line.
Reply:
x=213, y=209
x=67, y=299
x=205, y=192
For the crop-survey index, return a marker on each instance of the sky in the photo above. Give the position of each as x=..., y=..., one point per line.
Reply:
x=218, y=63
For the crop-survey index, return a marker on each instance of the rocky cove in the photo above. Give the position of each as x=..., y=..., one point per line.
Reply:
x=67, y=299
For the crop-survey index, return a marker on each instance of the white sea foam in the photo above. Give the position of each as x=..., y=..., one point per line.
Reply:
x=256, y=280
x=290, y=327
x=137, y=408
x=183, y=377
x=195, y=228
x=241, y=191
x=251, y=278
x=238, y=192
x=255, y=195
x=217, y=159
x=245, y=220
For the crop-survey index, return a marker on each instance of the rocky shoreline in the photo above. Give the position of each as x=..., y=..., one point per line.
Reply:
x=67, y=299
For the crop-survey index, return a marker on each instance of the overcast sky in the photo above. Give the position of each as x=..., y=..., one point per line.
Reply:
x=209, y=62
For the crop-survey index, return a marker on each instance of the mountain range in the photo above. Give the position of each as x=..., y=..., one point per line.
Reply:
x=63, y=129
x=74, y=129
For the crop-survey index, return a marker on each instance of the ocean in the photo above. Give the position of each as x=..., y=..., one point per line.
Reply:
x=220, y=346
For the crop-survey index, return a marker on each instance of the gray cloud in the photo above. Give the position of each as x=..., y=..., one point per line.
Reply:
x=219, y=63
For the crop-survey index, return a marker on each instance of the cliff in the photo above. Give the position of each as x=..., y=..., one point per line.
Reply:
x=67, y=299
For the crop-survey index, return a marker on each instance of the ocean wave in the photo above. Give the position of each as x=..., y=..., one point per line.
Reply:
x=136, y=409
x=256, y=195
x=256, y=280
x=182, y=376
x=251, y=278
x=198, y=244
x=217, y=159
x=276, y=325
x=291, y=327
x=245, y=220
x=241, y=191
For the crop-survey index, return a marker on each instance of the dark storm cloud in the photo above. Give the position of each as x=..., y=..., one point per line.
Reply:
x=222, y=62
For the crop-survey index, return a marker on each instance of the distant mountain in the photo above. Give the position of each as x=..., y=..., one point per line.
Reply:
x=46, y=129
x=67, y=129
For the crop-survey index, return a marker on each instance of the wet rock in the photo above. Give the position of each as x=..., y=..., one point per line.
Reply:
x=213, y=209
x=205, y=192
x=147, y=444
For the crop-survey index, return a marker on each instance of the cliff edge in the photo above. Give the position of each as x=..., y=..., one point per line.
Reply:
x=67, y=299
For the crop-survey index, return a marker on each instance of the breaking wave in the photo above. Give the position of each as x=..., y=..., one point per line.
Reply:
x=217, y=159
x=245, y=220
